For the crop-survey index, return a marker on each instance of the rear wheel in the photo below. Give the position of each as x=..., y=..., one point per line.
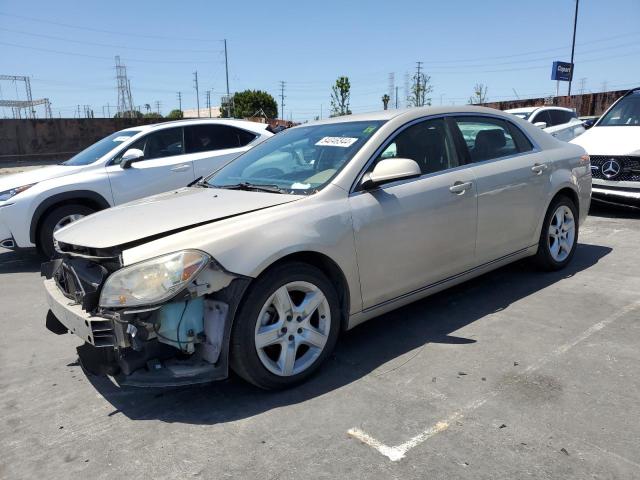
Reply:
x=559, y=235
x=59, y=218
x=286, y=327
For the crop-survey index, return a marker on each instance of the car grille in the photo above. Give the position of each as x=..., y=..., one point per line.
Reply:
x=602, y=168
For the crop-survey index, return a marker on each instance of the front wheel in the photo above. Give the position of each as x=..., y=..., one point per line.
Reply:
x=58, y=218
x=559, y=235
x=286, y=327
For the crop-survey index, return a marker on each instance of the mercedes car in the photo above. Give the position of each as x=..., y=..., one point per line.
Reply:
x=614, y=146
x=262, y=265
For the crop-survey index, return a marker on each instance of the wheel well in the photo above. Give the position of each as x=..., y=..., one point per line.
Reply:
x=571, y=193
x=46, y=207
x=333, y=272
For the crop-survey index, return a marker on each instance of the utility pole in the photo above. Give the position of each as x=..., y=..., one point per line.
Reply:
x=209, y=102
x=282, y=99
x=158, y=106
x=396, y=97
x=573, y=45
x=180, y=101
x=195, y=75
x=320, y=111
x=226, y=65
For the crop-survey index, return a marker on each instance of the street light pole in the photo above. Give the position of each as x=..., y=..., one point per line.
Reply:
x=573, y=45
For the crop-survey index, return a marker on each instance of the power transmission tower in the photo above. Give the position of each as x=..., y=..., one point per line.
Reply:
x=180, y=101
x=418, y=85
x=125, y=101
x=282, y=84
x=195, y=81
x=27, y=105
x=208, y=92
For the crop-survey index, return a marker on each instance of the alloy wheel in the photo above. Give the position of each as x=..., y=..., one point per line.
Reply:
x=292, y=328
x=64, y=221
x=562, y=233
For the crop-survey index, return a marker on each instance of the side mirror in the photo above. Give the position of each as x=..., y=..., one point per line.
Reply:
x=130, y=156
x=541, y=124
x=389, y=170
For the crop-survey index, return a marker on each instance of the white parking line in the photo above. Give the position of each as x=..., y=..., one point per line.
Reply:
x=398, y=452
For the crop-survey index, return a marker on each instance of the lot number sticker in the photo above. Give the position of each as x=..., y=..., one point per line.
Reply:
x=121, y=139
x=343, y=142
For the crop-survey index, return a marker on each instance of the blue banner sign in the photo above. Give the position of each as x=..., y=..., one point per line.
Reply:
x=561, y=71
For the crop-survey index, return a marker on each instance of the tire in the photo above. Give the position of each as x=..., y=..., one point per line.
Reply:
x=546, y=258
x=52, y=219
x=259, y=317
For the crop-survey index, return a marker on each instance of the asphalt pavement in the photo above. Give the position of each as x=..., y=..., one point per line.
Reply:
x=516, y=374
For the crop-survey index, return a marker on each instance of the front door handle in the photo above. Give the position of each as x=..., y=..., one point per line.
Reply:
x=460, y=187
x=538, y=168
x=181, y=168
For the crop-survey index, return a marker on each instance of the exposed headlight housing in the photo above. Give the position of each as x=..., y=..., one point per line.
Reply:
x=12, y=192
x=152, y=281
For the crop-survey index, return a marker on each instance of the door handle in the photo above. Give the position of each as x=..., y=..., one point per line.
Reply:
x=181, y=168
x=459, y=187
x=538, y=168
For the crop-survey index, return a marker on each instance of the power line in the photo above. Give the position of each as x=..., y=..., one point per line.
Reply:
x=112, y=32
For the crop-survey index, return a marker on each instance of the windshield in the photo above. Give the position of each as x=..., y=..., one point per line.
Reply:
x=100, y=148
x=625, y=112
x=301, y=160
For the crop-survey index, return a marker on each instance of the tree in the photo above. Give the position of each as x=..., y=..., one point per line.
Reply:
x=385, y=101
x=152, y=115
x=340, y=95
x=479, y=94
x=129, y=114
x=420, y=87
x=147, y=107
x=175, y=114
x=252, y=103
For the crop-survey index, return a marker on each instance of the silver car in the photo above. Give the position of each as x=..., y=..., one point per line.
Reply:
x=261, y=265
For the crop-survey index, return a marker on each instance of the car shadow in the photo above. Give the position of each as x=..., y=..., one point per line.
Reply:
x=358, y=353
x=20, y=261
x=611, y=210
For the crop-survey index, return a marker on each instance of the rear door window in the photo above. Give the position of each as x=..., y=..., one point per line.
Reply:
x=487, y=138
x=204, y=138
x=558, y=117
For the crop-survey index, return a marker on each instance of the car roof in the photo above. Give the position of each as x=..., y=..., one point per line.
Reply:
x=244, y=124
x=408, y=113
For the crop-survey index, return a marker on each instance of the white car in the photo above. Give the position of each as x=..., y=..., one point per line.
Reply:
x=562, y=123
x=127, y=165
x=613, y=144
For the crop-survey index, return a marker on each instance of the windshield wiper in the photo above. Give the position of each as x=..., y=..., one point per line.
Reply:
x=197, y=183
x=253, y=187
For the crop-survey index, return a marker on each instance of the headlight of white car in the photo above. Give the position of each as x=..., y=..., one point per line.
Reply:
x=12, y=192
x=152, y=281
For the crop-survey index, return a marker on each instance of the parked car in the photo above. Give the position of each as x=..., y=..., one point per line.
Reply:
x=560, y=122
x=324, y=226
x=127, y=165
x=613, y=144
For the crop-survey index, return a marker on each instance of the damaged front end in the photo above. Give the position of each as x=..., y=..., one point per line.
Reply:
x=162, y=322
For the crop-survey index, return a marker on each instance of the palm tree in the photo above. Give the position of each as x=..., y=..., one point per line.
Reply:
x=385, y=101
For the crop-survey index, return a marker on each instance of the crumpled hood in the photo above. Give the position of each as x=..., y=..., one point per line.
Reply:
x=164, y=214
x=36, y=175
x=615, y=140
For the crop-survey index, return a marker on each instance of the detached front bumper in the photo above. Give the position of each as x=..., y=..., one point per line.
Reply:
x=96, y=331
x=184, y=341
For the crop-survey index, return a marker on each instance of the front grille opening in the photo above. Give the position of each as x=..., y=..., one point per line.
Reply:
x=629, y=167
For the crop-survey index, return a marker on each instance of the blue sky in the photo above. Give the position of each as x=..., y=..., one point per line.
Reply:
x=67, y=47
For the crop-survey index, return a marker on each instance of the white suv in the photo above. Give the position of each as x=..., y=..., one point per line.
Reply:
x=126, y=165
x=562, y=123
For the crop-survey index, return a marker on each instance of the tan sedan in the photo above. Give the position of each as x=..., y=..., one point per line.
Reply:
x=261, y=265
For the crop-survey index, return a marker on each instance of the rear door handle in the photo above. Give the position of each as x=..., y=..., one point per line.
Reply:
x=181, y=168
x=459, y=187
x=538, y=168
